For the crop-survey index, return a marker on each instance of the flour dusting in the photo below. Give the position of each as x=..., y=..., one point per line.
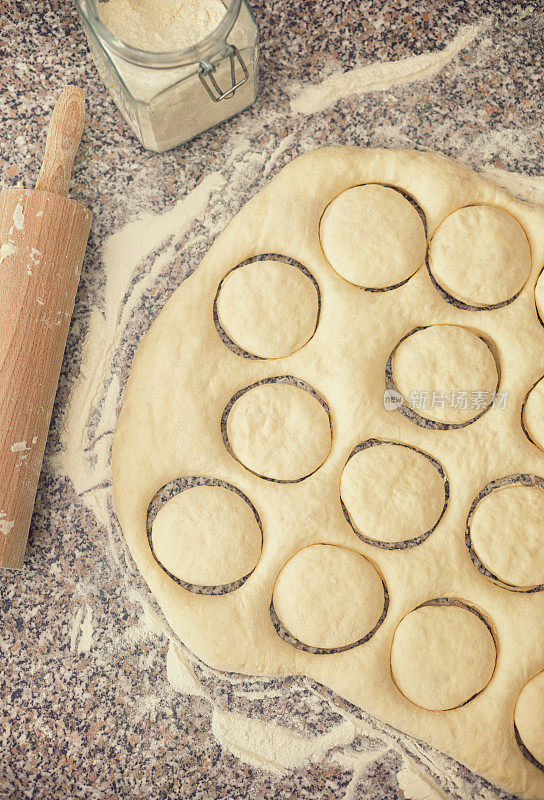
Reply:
x=380, y=76
x=274, y=747
x=149, y=624
x=85, y=460
x=180, y=675
x=86, y=631
x=526, y=187
x=417, y=786
x=81, y=632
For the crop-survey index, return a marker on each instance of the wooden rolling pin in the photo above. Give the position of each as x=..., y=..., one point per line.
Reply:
x=43, y=235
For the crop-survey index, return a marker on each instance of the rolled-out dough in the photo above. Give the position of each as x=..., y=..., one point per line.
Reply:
x=533, y=414
x=480, y=255
x=507, y=532
x=207, y=535
x=391, y=492
x=446, y=373
x=539, y=296
x=442, y=656
x=529, y=717
x=184, y=377
x=268, y=308
x=328, y=597
x=373, y=237
x=279, y=431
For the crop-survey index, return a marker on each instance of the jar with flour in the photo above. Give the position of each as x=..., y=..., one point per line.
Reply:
x=174, y=67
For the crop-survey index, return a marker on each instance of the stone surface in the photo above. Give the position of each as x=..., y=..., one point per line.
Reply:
x=87, y=710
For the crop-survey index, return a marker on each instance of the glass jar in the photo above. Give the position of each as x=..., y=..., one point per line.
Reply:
x=168, y=98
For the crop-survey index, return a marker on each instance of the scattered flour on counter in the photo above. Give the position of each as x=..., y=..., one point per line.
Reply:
x=180, y=675
x=526, y=187
x=281, y=148
x=277, y=749
x=417, y=786
x=85, y=459
x=149, y=624
x=274, y=747
x=162, y=25
x=381, y=75
x=82, y=630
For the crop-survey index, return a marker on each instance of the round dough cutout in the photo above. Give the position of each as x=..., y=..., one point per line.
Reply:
x=373, y=236
x=392, y=492
x=268, y=308
x=529, y=717
x=507, y=534
x=539, y=296
x=442, y=656
x=445, y=373
x=329, y=597
x=207, y=536
x=279, y=431
x=480, y=255
x=533, y=414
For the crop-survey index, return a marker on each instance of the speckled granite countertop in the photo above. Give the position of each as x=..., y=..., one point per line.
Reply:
x=89, y=708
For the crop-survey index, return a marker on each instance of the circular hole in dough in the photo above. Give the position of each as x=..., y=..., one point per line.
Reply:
x=329, y=597
x=529, y=717
x=480, y=255
x=442, y=655
x=505, y=530
x=392, y=493
x=532, y=415
x=445, y=373
x=268, y=308
x=207, y=536
x=373, y=237
x=278, y=430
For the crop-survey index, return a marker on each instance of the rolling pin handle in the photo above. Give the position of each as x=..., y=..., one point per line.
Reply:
x=63, y=138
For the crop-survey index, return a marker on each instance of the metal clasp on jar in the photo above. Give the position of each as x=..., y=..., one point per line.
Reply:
x=207, y=77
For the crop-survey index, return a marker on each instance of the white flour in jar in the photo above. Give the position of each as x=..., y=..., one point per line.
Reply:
x=162, y=25
x=168, y=106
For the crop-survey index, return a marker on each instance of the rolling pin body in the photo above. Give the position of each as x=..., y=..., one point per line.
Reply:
x=42, y=243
